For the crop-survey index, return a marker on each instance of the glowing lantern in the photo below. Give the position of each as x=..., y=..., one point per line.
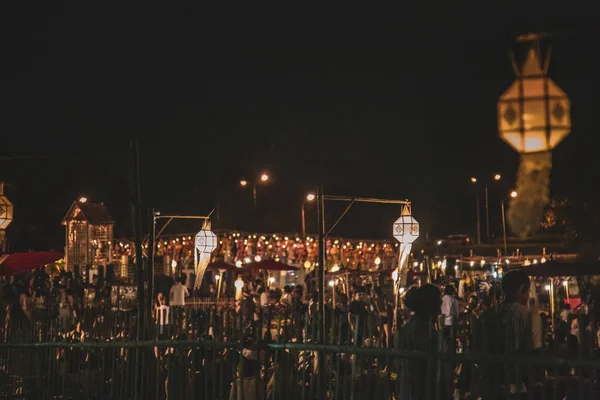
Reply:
x=406, y=231
x=205, y=244
x=6, y=212
x=406, y=228
x=533, y=113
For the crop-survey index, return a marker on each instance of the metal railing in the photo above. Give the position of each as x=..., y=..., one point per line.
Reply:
x=279, y=361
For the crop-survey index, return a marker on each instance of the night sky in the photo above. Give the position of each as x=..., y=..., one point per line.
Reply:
x=390, y=102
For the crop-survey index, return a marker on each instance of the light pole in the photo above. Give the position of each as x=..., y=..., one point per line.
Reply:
x=309, y=197
x=474, y=181
x=264, y=177
x=513, y=194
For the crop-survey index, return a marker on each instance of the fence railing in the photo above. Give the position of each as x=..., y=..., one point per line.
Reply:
x=230, y=370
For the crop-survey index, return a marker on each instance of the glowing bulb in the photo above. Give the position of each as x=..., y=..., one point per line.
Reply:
x=497, y=177
x=307, y=264
x=401, y=290
x=526, y=262
x=482, y=262
x=257, y=258
x=507, y=261
x=456, y=267
x=243, y=182
x=271, y=279
x=310, y=196
x=416, y=264
x=565, y=283
x=247, y=260
x=238, y=264
x=173, y=264
x=377, y=260
x=264, y=177
x=217, y=277
x=473, y=180
x=83, y=199
x=547, y=287
x=472, y=263
x=535, y=261
x=331, y=283
x=239, y=284
x=543, y=260
x=395, y=275
x=513, y=194
x=495, y=274
x=335, y=268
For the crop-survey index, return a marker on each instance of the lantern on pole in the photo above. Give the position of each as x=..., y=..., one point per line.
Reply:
x=406, y=231
x=205, y=244
x=533, y=118
x=6, y=213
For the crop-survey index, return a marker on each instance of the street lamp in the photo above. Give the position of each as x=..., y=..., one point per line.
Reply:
x=309, y=197
x=474, y=181
x=264, y=177
x=513, y=194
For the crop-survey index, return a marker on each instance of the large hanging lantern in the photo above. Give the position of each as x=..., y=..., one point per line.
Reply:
x=6, y=212
x=406, y=231
x=533, y=113
x=406, y=228
x=533, y=117
x=205, y=244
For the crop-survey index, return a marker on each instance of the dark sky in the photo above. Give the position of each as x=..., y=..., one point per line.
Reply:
x=387, y=102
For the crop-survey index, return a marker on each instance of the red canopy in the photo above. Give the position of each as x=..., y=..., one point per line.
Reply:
x=226, y=266
x=271, y=265
x=15, y=263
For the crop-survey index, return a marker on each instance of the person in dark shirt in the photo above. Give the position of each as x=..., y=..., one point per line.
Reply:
x=342, y=323
x=507, y=328
x=418, y=334
x=359, y=315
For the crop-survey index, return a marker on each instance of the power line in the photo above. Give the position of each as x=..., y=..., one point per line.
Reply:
x=59, y=157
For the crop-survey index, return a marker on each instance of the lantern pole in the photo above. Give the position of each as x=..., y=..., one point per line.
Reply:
x=322, y=235
x=321, y=283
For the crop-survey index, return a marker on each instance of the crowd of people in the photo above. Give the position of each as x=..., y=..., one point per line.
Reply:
x=456, y=316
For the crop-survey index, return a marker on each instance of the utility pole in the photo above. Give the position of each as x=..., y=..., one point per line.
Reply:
x=137, y=233
x=321, y=279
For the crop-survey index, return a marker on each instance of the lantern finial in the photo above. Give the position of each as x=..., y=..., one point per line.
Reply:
x=532, y=67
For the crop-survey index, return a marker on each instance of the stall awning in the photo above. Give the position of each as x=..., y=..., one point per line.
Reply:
x=16, y=263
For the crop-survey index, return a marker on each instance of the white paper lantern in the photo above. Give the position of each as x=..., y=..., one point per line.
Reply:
x=406, y=228
x=205, y=244
x=206, y=240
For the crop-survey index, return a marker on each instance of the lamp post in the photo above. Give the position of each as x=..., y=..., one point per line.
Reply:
x=513, y=194
x=309, y=197
x=474, y=181
x=264, y=177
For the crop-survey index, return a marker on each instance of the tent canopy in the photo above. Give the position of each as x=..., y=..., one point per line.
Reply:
x=558, y=268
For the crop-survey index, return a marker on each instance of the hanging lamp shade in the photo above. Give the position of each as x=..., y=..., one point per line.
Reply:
x=6, y=209
x=206, y=240
x=533, y=113
x=406, y=228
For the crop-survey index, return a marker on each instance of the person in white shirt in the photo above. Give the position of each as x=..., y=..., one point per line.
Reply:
x=564, y=314
x=178, y=295
x=177, y=302
x=449, y=310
